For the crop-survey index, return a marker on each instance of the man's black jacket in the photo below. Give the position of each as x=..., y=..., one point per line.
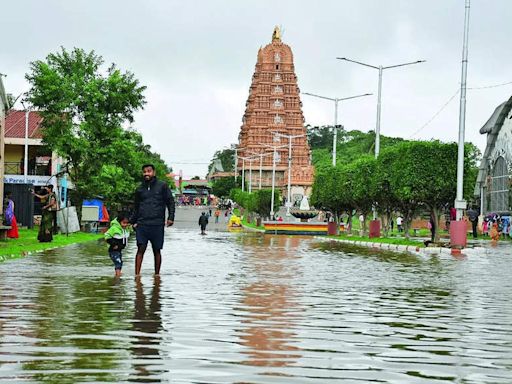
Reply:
x=151, y=199
x=203, y=220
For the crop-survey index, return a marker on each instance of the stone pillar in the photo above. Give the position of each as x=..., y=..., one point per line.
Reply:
x=3, y=111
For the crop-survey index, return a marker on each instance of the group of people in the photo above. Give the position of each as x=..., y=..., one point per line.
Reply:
x=48, y=215
x=152, y=198
x=185, y=200
x=10, y=217
x=495, y=226
x=203, y=219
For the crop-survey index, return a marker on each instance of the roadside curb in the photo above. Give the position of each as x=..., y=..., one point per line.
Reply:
x=250, y=229
x=406, y=248
x=23, y=254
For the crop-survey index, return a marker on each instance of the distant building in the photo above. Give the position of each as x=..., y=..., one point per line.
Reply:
x=217, y=172
x=274, y=105
x=41, y=162
x=493, y=185
x=193, y=188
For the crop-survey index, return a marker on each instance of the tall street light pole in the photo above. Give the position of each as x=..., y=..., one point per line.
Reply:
x=236, y=163
x=460, y=203
x=380, y=68
x=335, y=128
x=274, y=159
x=25, y=158
x=250, y=175
x=243, y=174
x=261, y=155
x=289, y=195
x=250, y=160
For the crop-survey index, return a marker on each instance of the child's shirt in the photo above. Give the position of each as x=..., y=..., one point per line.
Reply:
x=116, y=236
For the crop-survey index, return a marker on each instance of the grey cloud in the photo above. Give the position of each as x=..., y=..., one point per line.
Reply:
x=197, y=59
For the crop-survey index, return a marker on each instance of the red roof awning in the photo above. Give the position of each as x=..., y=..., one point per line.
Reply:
x=15, y=125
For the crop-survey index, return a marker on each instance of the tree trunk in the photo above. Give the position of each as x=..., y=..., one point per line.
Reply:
x=435, y=215
x=365, y=224
x=387, y=216
x=350, y=218
x=407, y=224
x=406, y=228
x=337, y=220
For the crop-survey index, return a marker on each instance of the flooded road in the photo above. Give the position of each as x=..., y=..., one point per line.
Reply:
x=234, y=308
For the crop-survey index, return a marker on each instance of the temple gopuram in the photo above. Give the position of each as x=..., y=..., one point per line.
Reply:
x=274, y=106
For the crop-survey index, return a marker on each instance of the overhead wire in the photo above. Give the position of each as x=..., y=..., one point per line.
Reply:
x=492, y=86
x=449, y=101
x=435, y=114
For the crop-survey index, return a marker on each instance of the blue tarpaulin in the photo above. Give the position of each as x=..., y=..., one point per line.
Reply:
x=95, y=203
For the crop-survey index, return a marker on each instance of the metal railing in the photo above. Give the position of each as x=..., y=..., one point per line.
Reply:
x=16, y=168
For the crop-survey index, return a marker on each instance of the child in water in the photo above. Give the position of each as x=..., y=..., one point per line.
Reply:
x=117, y=238
x=495, y=234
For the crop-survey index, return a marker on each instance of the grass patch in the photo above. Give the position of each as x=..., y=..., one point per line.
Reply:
x=245, y=223
x=252, y=225
x=385, y=240
x=27, y=243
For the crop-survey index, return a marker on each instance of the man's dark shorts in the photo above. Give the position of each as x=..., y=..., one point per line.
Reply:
x=117, y=259
x=150, y=233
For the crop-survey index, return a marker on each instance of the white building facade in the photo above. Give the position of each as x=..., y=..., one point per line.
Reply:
x=493, y=185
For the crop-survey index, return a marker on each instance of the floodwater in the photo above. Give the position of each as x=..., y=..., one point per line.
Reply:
x=248, y=308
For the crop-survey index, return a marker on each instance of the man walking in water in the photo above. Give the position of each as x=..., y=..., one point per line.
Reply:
x=151, y=199
x=203, y=222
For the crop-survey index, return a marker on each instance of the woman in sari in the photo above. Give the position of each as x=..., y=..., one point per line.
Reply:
x=10, y=217
x=49, y=202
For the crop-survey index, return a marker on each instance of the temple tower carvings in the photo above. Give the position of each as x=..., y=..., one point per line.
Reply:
x=274, y=105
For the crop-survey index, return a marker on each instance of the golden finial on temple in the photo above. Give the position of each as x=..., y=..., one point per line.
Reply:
x=277, y=34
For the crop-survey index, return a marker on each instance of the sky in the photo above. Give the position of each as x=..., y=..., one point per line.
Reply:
x=197, y=59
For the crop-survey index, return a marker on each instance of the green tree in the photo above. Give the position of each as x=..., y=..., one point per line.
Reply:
x=11, y=100
x=222, y=187
x=226, y=157
x=84, y=107
x=350, y=146
x=320, y=136
x=256, y=202
x=423, y=174
x=263, y=202
x=331, y=192
x=359, y=181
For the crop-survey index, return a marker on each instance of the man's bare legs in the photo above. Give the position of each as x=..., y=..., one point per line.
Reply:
x=158, y=261
x=140, y=256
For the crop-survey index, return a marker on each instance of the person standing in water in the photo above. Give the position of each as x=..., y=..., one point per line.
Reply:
x=152, y=198
x=117, y=238
x=203, y=222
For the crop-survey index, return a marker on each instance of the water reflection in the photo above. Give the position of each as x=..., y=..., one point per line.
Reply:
x=146, y=340
x=271, y=305
x=234, y=308
x=66, y=322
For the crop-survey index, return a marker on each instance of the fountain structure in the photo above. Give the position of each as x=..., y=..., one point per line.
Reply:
x=304, y=212
x=304, y=227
